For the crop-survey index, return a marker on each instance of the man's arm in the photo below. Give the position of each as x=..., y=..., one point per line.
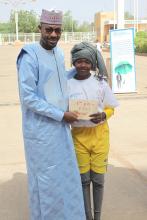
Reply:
x=28, y=79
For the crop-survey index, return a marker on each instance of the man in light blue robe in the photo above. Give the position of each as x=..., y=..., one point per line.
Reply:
x=55, y=191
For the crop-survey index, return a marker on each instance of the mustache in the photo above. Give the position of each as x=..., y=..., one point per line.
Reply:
x=52, y=38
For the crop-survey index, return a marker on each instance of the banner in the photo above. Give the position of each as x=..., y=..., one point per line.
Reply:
x=122, y=60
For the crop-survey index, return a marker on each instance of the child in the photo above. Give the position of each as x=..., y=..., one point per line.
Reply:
x=91, y=137
x=98, y=45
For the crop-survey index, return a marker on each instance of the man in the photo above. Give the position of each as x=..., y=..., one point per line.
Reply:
x=119, y=80
x=54, y=183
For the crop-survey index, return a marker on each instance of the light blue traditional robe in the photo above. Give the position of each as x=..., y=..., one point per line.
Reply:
x=54, y=182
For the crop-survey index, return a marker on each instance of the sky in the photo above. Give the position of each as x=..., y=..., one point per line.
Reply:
x=81, y=10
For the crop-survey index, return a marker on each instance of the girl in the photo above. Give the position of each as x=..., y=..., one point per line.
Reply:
x=91, y=137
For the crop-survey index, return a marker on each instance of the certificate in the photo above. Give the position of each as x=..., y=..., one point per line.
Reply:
x=83, y=108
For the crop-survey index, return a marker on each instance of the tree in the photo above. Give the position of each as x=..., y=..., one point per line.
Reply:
x=5, y=28
x=128, y=16
x=69, y=24
x=27, y=21
x=85, y=27
x=67, y=21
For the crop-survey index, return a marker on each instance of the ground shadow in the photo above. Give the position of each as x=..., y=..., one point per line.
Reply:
x=13, y=198
x=125, y=196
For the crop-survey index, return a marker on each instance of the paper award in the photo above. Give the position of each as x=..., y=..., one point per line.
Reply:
x=83, y=108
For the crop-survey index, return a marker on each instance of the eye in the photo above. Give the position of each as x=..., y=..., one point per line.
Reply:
x=58, y=30
x=50, y=30
x=87, y=62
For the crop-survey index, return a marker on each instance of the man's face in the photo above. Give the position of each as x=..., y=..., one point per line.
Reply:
x=50, y=35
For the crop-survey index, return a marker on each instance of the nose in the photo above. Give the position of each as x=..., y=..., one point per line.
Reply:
x=53, y=34
x=83, y=64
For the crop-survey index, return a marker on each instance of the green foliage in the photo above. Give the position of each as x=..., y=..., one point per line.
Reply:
x=27, y=21
x=67, y=22
x=5, y=28
x=141, y=42
x=128, y=16
x=84, y=27
x=71, y=25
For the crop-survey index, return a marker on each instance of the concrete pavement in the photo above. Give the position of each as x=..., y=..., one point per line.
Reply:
x=125, y=195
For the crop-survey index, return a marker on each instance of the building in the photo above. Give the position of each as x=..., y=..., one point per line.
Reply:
x=104, y=21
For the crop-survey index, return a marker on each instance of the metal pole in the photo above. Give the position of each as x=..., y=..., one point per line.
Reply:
x=16, y=24
x=0, y=39
x=120, y=14
x=137, y=15
x=134, y=17
x=72, y=25
x=15, y=4
x=114, y=13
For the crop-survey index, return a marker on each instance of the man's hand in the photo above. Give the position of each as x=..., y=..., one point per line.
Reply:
x=98, y=117
x=70, y=117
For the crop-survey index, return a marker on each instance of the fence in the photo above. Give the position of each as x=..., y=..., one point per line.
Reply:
x=67, y=37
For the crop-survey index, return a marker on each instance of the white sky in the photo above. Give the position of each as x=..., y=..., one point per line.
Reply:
x=81, y=10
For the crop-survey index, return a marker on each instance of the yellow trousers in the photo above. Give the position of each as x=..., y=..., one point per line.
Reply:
x=92, y=146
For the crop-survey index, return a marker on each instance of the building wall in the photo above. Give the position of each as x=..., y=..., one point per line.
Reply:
x=102, y=29
x=141, y=27
x=99, y=24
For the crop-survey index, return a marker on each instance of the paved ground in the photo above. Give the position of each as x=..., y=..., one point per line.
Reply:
x=125, y=195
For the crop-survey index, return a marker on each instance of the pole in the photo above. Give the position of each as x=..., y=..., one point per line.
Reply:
x=134, y=17
x=15, y=4
x=16, y=24
x=114, y=13
x=0, y=39
x=137, y=15
x=120, y=14
x=72, y=24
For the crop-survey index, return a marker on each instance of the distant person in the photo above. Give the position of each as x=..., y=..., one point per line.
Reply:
x=98, y=46
x=55, y=190
x=119, y=80
x=91, y=137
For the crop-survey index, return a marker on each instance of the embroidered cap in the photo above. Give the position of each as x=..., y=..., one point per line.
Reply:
x=51, y=17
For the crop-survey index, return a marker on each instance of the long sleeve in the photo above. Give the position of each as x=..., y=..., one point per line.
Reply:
x=109, y=98
x=109, y=112
x=28, y=80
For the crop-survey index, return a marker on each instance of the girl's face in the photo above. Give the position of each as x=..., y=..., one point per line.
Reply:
x=83, y=67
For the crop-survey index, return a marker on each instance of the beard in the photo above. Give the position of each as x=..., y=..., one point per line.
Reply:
x=49, y=43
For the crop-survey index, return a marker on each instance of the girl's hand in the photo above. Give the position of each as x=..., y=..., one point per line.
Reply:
x=98, y=117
